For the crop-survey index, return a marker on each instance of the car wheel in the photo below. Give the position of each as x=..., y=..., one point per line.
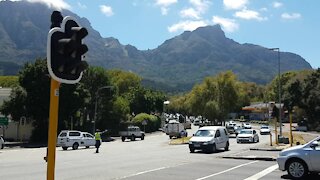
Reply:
x=170, y=137
x=2, y=146
x=214, y=148
x=123, y=138
x=227, y=146
x=191, y=150
x=64, y=148
x=142, y=137
x=297, y=169
x=87, y=147
x=75, y=146
x=258, y=139
x=133, y=138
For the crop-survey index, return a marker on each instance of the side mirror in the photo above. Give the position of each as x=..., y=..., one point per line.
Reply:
x=314, y=144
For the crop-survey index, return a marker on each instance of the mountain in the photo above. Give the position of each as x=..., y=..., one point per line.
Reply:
x=178, y=63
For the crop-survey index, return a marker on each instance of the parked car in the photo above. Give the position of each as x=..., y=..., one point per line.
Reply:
x=1, y=142
x=246, y=125
x=247, y=135
x=132, y=132
x=209, y=138
x=74, y=139
x=231, y=123
x=300, y=160
x=264, y=129
x=196, y=122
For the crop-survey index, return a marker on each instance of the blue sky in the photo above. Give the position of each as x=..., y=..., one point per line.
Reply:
x=291, y=25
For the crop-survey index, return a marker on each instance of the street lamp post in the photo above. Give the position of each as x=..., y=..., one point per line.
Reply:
x=279, y=87
x=96, y=106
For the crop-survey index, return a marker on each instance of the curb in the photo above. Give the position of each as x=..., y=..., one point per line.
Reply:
x=251, y=158
x=265, y=149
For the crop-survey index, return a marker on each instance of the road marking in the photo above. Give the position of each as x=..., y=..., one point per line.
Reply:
x=148, y=171
x=263, y=173
x=227, y=170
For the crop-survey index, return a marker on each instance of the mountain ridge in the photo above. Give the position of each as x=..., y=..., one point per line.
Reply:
x=179, y=61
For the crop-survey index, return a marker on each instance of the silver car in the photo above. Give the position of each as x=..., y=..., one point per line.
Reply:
x=1, y=142
x=299, y=160
x=248, y=135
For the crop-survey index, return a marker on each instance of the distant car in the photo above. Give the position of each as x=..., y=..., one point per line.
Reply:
x=231, y=123
x=237, y=130
x=187, y=124
x=196, y=122
x=264, y=130
x=1, y=142
x=74, y=139
x=210, y=138
x=246, y=125
x=247, y=135
x=301, y=159
x=131, y=132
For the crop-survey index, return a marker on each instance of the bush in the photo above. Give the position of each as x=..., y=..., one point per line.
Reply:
x=153, y=122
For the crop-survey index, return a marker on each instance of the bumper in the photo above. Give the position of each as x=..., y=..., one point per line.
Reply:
x=282, y=162
x=203, y=147
x=244, y=139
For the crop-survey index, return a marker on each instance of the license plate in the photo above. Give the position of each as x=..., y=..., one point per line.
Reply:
x=197, y=145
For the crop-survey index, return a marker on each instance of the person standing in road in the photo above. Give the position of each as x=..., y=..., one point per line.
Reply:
x=97, y=137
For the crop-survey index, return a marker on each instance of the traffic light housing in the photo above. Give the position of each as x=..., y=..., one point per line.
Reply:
x=65, y=51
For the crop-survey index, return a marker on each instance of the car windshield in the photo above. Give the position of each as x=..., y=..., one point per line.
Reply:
x=246, y=132
x=264, y=127
x=205, y=133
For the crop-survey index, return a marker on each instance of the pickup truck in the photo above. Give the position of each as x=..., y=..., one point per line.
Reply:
x=132, y=132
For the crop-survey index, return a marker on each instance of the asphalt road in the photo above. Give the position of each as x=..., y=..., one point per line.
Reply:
x=152, y=158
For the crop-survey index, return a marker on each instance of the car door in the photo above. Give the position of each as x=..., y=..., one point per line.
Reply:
x=90, y=141
x=218, y=139
x=315, y=157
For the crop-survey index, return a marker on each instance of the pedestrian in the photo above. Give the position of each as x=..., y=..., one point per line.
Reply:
x=97, y=137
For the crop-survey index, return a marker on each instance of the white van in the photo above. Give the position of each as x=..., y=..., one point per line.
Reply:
x=75, y=139
x=210, y=138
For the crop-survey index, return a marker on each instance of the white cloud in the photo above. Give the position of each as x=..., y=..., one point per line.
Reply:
x=291, y=16
x=106, y=10
x=190, y=13
x=164, y=4
x=235, y=4
x=186, y=26
x=277, y=4
x=248, y=15
x=82, y=6
x=200, y=5
x=57, y=4
x=228, y=25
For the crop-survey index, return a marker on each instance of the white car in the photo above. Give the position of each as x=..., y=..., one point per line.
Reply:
x=301, y=159
x=264, y=130
x=1, y=142
x=247, y=135
x=246, y=125
x=74, y=139
x=209, y=138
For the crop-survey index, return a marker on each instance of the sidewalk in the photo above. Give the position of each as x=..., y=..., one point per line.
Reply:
x=262, y=153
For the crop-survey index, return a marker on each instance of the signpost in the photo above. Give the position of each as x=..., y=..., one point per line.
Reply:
x=144, y=123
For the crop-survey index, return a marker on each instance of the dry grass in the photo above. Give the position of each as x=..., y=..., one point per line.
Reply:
x=183, y=140
x=296, y=137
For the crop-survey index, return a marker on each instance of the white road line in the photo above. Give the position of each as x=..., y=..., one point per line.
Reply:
x=226, y=170
x=263, y=173
x=148, y=171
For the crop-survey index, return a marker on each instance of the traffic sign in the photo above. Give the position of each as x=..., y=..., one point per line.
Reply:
x=4, y=121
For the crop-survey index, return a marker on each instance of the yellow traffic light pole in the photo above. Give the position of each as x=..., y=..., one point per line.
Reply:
x=53, y=125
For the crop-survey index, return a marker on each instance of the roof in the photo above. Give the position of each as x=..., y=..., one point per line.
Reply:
x=211, y=128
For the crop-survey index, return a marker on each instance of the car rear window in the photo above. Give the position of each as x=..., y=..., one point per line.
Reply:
x=74, y=133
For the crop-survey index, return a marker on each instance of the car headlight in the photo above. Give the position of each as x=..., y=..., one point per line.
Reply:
x=190, y=142
x=205, y=143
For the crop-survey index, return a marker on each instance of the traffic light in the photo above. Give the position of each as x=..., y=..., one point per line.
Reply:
x=65, y=51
